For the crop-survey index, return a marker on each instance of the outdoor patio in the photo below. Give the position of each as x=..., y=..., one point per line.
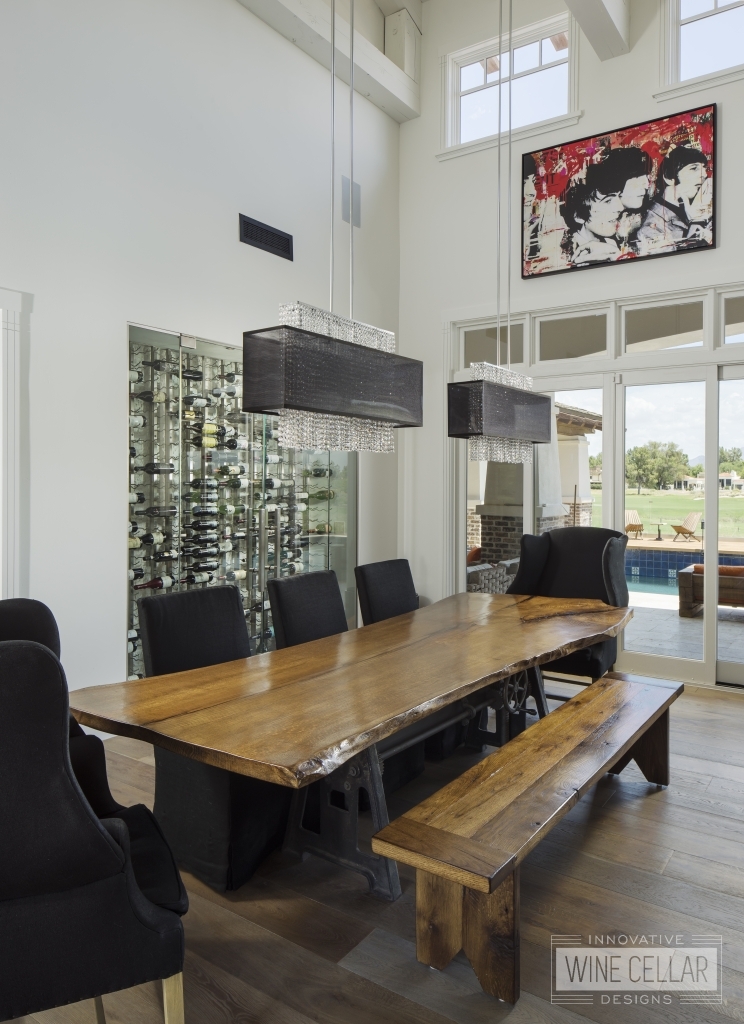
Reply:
x=656, y=628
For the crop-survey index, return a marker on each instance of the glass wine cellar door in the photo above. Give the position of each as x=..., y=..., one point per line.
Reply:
x=213, y=499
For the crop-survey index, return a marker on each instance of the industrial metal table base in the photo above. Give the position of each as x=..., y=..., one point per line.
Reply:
x=332, y=829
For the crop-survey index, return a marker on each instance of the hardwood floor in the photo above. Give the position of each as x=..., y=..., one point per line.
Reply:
x=304, y=942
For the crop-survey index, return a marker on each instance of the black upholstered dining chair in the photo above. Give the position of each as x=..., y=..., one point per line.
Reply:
x=74, y=923
x=221, y=825
x=306, y=607
x=154, y=866
x=385, y=589
x=578, y=562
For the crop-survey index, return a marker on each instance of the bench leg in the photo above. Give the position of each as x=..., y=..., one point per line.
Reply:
x=438, y=919
x=490, y=937
x=650, y=753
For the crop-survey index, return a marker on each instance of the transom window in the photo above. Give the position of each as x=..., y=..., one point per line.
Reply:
x=711, y=36
x=534, y=76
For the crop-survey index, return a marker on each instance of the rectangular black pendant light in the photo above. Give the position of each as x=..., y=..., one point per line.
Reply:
x=480, y=408
x=289, y=368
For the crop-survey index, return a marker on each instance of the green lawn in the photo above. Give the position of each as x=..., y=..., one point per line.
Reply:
x=672, y=507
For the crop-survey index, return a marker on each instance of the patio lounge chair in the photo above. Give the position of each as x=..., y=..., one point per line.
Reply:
x=633, y=523
x=687, y=529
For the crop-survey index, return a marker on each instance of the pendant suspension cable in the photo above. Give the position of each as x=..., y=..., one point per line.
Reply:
x=351, y=160
x=498, y=186
x=333, y=148
x=509, y=203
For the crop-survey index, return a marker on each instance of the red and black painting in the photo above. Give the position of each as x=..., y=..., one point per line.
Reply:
x=635, y=193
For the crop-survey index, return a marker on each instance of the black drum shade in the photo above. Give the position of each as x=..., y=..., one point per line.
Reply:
x=289, y=368
x=480, y=408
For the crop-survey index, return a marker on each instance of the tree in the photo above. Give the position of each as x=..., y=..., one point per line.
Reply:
x=638, y=467
x=655, y=464
x=733, y=455
x=595, y=461
x=698, y=470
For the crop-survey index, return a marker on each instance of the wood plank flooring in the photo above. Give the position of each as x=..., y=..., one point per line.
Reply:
x=304, y=942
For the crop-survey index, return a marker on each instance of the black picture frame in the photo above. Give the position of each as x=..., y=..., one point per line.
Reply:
x=559, y=187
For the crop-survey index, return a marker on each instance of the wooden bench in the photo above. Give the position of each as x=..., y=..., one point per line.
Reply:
x=468, y=840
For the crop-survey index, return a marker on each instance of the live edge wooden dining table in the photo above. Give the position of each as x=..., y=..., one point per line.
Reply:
x=330, y=711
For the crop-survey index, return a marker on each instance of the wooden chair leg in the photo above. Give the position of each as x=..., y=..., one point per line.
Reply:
x=100, y=1012
x=438, y=919
x=173, y=999
x=490, y=937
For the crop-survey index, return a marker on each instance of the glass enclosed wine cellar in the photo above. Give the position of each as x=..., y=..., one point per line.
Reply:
x=213, y=499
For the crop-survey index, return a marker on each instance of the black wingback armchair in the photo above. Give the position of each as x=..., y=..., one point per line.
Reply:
x=74, y=923
x=22, y=618
x=578, y=561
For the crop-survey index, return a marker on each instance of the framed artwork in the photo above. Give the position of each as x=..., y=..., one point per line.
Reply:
x=635, y=193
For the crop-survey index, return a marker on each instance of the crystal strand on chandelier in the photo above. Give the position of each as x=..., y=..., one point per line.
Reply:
x=323, y=431
x=500, y=449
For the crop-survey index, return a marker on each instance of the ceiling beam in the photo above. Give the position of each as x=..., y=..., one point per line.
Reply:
x=605, y=23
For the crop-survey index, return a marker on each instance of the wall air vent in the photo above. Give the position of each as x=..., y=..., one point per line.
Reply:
x=253, y=232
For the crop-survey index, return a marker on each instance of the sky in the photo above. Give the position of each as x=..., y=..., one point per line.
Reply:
x=669, y=412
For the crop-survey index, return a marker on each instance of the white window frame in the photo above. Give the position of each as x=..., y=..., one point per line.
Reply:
x=453, y=62
x=670, y=86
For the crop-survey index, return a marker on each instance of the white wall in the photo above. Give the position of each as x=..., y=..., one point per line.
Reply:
x=448, y=227
x=133, y=135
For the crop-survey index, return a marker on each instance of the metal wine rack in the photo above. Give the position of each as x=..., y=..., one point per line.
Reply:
x=213, y=499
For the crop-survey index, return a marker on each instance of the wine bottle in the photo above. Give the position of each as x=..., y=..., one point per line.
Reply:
x=204, y=524
x=155, y=468
x=300, y=495
x=319, y=471
x=236, y=470
x=208, y=566
x=227, y=392
x=137, y=421
x=163, y=365
x=236, y=444
x=136, y=498
x=134, y=451
x=198, y=401
x=323, y=528
x=161, y=510
x=261, y=606
x=158, y=583
x=234, y=574
x=156, y=537
x=197, y=577
x=294, y=567
x=136, y=376
x=158, y=397
x=231, y=510
x=272, y=460
x=216, y=430
x=163, y=556
x=206, y=443
x=135, y=574
x=210, y=537
x=231, y=377
x=189, y=415
x=203, y=483
x=133, y=634
x=135, y=527
x=204, y=510
x=324, y=495
x=134, y=542
x=300, y=506
x=225, y=545
x=131, y=646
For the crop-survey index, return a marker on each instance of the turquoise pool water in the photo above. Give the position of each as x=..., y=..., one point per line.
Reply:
x=651, y=585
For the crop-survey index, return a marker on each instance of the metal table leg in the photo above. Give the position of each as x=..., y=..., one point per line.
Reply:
x=336, y=833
